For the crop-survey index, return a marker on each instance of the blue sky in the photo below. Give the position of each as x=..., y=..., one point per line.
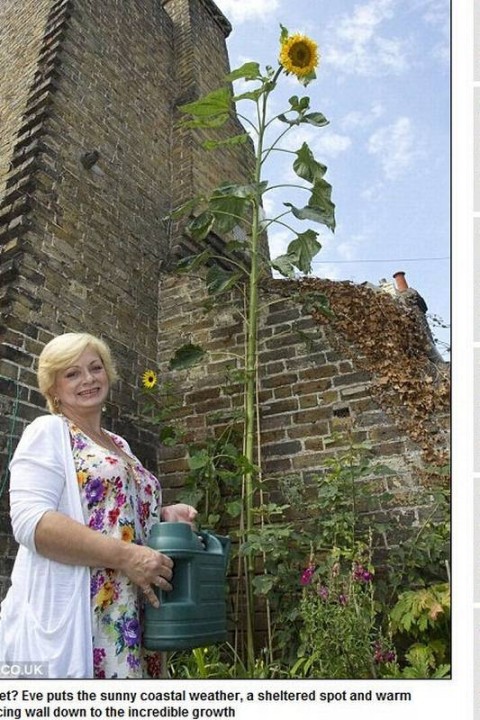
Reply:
x=384, y=84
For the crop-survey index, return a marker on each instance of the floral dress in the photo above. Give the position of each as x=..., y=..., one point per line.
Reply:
x=121, y=500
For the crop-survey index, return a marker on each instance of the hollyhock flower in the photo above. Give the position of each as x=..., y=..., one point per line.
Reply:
x=361, y=574
x=306, y=577
x=323, y=592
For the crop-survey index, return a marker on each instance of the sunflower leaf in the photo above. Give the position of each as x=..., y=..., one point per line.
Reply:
x=285, y=266
x=315, y=118
x=299, y=105
x=252, y=95
x=182, y=210
x=283, y=33
x=219, y=280
x=200, y=226
x=227, y=209
x=249, y=191
x=192, y=262
x=216, y=102
x=303, y=249
x=320, y=208
x=248, y=71
x=283, y=118
x=186, y=356
x=306, y=166
x=211, y=121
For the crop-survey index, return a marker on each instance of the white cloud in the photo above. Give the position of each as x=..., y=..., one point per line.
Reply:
x=437, y=15
x=322, y=142
x=357, y=119
x=394, y=147
x=239, y=11
x=357, y=45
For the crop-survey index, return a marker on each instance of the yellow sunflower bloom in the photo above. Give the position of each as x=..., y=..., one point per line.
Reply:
x=299, y=55
x=149, y=379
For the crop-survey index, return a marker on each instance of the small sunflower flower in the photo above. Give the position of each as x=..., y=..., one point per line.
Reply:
x=299, y=55
x=149, y=379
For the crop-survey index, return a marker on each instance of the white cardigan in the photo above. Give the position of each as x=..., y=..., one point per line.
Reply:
x=45, y=616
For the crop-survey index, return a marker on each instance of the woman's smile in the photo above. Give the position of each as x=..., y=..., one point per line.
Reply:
x=83, y=386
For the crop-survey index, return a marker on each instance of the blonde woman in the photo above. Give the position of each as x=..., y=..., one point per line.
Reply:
x=82, y=506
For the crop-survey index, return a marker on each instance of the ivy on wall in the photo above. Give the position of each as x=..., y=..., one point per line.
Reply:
x=391, y=342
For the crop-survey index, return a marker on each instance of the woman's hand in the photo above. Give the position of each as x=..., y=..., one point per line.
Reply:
x=179, y=513
x=146, y=567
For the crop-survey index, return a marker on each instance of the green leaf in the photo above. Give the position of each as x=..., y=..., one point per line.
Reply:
x=229, y=203
x=228, y=211
x=199, y=460
x=263, y=584
x=316, y=118
x=234, y=140
x=248, y=71
x=214, y=121
x=186, y=356
x=169, y=435
x=200, y=226
x=219, y=280
x=303, y=249
x=249, y=191
x=283, y=118
x=299, y=105
x=193, y=262
x=306, y=166
x=319, y=302
x=251, y=95
x=184, y=209
x=320, y=199
x=320, y=208
x=216, y=102
x=234, y=508
x=285, y=266
x=283, y=33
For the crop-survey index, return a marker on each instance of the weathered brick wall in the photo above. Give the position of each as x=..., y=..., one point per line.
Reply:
x=309, y=393
x=81, y=244
x=21, y=32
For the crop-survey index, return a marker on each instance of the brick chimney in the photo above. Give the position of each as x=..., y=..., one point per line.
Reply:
x=400, y=281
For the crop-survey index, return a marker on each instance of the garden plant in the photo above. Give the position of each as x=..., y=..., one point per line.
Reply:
x=329, y=612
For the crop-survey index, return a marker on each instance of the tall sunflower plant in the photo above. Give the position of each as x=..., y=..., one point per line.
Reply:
x=237, y=207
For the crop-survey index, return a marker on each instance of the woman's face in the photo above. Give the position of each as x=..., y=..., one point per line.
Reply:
x=83, y=386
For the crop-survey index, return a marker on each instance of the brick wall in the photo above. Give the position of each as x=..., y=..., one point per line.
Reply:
x=310, y=390
x=82, y=242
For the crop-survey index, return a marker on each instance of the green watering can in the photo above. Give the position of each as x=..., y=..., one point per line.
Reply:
x=193, y=614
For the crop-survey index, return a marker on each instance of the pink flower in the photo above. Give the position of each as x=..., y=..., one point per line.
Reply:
x=307, y=575
x=361, y=574
x=323, y=592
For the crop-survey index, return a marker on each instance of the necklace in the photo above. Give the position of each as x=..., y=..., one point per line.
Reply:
x=105, y=440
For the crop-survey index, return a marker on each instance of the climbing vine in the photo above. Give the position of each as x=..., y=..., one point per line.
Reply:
x=391, y=343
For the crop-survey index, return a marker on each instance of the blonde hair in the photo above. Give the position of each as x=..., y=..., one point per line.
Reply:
x=61, y=352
